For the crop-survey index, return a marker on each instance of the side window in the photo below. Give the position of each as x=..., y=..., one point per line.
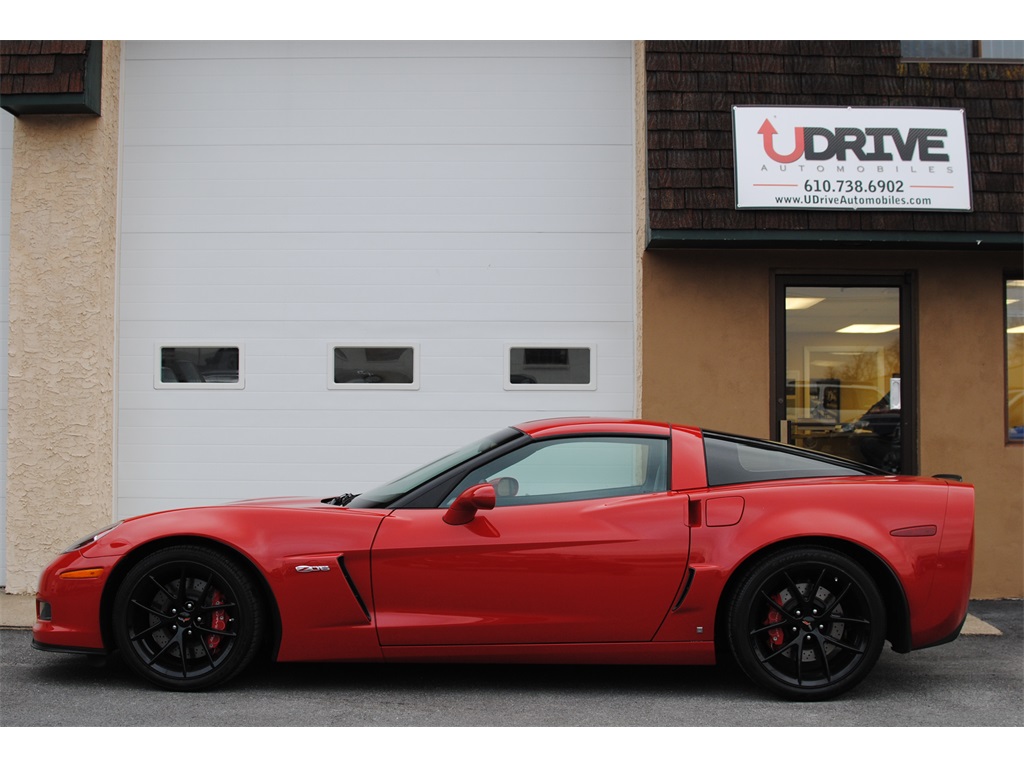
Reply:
x=196, y=367
x=573, y=469
x=735, y=460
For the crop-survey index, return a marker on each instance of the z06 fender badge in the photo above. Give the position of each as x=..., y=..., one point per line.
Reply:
x=312, y=568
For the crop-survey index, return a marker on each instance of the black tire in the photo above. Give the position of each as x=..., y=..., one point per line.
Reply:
x=807, y=623
x=187, y=618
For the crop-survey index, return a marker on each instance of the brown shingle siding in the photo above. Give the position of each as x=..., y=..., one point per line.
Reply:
x=673, y=121
x=32, y=65
x=693, y=85
x=721, y=219
x=681, y=219
x=758, y=63
x=48, y=66
x=1009, y=108
x=22, y=47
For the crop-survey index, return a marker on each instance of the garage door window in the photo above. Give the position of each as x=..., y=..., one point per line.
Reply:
x=202, y=367
x=370, y=366
x=550, y=367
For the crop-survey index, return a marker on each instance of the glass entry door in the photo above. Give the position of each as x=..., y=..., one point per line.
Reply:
x=841, y=384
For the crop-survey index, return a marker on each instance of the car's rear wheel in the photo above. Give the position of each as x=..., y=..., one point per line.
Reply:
x=187, y=618
x=808, y=623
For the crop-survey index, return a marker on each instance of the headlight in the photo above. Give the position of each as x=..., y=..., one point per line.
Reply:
x=94, y=536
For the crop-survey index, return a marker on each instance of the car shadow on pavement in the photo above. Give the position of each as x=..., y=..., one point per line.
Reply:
x=525, y=678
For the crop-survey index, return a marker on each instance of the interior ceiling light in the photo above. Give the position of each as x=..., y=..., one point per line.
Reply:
x=1016, y=329
x=868, y=328
x=801, y=302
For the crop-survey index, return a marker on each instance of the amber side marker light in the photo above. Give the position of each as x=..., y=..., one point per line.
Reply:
x=85, y=573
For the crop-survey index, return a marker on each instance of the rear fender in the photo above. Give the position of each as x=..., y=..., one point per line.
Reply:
x=771, y=518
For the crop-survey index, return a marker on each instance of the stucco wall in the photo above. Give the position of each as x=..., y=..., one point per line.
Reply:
x=640, y=195
x=706, y=341
x=963, y=404
x=706, y=361
x=60, y=470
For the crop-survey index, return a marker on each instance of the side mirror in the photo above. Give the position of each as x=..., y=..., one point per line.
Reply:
x=505, y=487
x=464, y=508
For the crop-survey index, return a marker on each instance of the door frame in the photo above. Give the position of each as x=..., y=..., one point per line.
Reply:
x=906, y=282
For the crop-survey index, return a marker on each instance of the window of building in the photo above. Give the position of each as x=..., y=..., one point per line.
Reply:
x=550, y=367
x=373, y=366
x=1015, y=360
x=962, y=49
x=199, y=367
x=842, y=378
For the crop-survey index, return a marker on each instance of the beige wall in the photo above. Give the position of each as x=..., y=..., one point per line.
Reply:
x=706, y=341
x=61, y=440
x=706, y=361
x=963, y=410
x=639, y=196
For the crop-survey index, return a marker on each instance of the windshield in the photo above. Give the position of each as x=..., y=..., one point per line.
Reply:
x=385, y=494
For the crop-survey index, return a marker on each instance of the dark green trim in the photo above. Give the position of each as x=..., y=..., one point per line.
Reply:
x=87, y=102
x=664, y=239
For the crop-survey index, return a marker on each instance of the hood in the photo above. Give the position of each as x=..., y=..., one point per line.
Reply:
x=264, y=525
x=282, y=502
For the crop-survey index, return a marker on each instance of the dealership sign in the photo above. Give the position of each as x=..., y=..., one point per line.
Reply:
x=851, y=158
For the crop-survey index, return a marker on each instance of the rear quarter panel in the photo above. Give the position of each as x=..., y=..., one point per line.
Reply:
x=933, y=570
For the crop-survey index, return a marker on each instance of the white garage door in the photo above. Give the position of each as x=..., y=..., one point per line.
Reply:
x=340, y=259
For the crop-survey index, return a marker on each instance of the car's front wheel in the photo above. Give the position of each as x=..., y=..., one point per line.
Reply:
x=808, y=623
x=187, y=618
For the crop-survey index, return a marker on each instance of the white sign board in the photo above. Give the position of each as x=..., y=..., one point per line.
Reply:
x=851, y=158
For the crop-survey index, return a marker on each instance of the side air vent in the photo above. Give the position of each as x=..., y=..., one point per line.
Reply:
x=352, y=586
x=685, y=590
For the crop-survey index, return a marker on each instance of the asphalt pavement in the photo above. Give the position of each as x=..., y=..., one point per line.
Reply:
x=978, y=680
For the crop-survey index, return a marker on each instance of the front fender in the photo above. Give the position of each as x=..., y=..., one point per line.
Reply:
x=315, y=563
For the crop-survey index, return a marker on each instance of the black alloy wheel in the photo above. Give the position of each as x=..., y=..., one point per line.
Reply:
x=187, y=618
x=807, y=623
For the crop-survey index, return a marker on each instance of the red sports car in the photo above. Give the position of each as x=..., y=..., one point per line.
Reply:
x=559, y=541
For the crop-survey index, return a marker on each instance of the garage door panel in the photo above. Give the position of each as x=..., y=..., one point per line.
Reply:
x=284, y=197
x=337, y=160
x=400, y=134
x=466, y=309
x=428, y=200
x=343, y=245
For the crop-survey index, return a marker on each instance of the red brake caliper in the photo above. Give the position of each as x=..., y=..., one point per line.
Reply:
x=775, y=636
x=218, y=621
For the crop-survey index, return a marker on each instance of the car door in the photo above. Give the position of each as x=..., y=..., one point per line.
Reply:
x=585, y=544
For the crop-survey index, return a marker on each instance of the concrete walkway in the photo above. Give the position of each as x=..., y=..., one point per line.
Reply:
x=18, y=612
